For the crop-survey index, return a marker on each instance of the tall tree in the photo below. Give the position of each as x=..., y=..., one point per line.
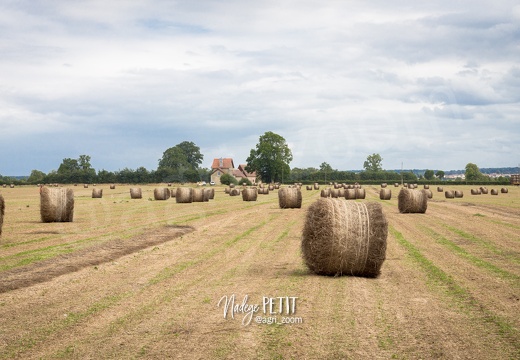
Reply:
x=271, y=158
x=180, y=163
x=373, y=163
x=428, y=174
x=326, y=169
x=473, y=173
x=440, y=174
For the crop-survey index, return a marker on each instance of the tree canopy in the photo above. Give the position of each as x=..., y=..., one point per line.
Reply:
x=180, y=163
x=373, y=163
x=271, y=158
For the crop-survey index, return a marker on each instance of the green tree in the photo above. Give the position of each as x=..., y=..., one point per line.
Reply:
x=326, y=169
x=227, y=179
x=428, y=174
x=373, y=163
x=473, y=173
x=180, y=163
x=68, y=166
x=84, y=162
x=36, y=177
x=271, y=158
x=440, y=174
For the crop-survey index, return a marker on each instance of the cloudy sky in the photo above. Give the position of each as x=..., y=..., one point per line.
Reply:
x=433, y=84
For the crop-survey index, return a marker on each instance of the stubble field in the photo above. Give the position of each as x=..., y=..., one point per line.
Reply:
x=144, y=279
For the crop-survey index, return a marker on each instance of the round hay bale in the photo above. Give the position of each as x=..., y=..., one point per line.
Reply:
x=184, y=195
x=334, y=193
x=97, y=193
x=85, y=186
x=211, y=193
x=11, y=186
x=459, y=193
x=383, y=185
x=263, y=191
x=440, y=189
x=273, y=187
x=136, y=193
x=316, y=186
x=4, y=186
x=484, y=190
x=2, y=212
x=206, y=194
x=449, y=194
x=198, y=195
x=56, y=205
x=396, y=184
x=309, y=187
x=290, y=198
x=161, y=193
x=234, y=192
x=476, y=192
x=341, y=193
x=169, y=184
x=412, y=201
x=173, y=193
x=385, y=194
x=360, y=193
x=325, y=192
x=112, y=187
x=429, y=193
x=350, y=194
x=249, y=194
x=226, y=190
x=231, y=186
x=494, y=192
x=426, y=187
x=504, y=190
x=344, y=238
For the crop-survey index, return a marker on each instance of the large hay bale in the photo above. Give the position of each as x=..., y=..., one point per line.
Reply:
x=412, y=201
x=234, y=192
x=56, y=205
x=504, y=190
x=344, y=238
x=334, y=193
x=360, y=193
x=350, y=194
x=136, y=193
x=97, y=193
x=161, y=193
x=184, y=195
x=385, y=194
x=494, y=192
x=2, y=212
x=325, y=192
x=290, y=198
x=198, y=195
x=449, y=194
x=459, y=193
x=249, y=194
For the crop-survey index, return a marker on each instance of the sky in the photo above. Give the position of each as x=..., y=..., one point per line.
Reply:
x=430, y=84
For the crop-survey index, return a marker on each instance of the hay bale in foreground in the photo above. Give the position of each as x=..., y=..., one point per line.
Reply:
x=290, y=198
x=2, y=212
x=184, y=195
x=161, y=193
x=97, y=193
x=56, y=205
x=249, y=194
x=412, y=201
x=449, y=194
x=344, y=238
x=385, y=194
x=504, y=190
x=136, y=193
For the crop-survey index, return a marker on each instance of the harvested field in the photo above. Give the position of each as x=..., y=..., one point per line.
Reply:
x=449, y=287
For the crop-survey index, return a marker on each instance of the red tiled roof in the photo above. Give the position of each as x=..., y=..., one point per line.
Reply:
x=227, y=163
x=242, y=167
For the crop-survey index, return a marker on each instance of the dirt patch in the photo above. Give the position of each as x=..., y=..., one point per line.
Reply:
x=48, y=269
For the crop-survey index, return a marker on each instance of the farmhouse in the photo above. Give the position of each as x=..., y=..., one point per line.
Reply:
x=223, y=166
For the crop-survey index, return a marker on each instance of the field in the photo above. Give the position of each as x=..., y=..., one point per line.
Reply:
x=150, y=279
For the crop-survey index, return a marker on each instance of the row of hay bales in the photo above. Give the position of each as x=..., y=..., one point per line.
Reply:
x=484, y=190
x=348, y=193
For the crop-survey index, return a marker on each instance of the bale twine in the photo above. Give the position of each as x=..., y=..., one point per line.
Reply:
x=385, y=194
x=184, y=195
x=344, y=238
x=136, y=193
x=459, y=193
x=360, y=193
x=97, y=193
x=504, y=190
x=234, y=192
x=440, y=189
x=325, y=192
x=56, y=205
x=494, y=192
x=316, y=186
x=412, y=201
x=249, y=194
x=308, y=187
x=383, y=185
x=198, y=195
x=350, y=194
x=161, y=193
x=290, y=198
x=426, y=187
x=449, y=194
x=484, y=190
x=112, y=187
x=475, y=192
x=2, y=212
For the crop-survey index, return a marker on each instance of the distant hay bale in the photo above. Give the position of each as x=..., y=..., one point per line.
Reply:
x=316, y=186
x=4, y=186
x=231, y=186
x=476, y=192
x=206, y=193
x=309, y=187
x=290, y=198
x=350, y=194
x=56, y=205
x=334, y=193
x=11, y=186
x=383, y=185
x=234, y=192
x=449, y=194
x=459, y=193
x=2, y=212
x=263, y=191
x=440, y=189
x=344, y=238
x=412, y=201
x=429, y=193
x=396, y=184
x=161, y=193
x=504, y=190
x=211, y=193
x=184, y=195
x=484, y=190
x=341, y=193
x=198, y=195
x=169, y=184
x=112, y=187
x=275, y=187
x=136, y=193
x=360, y=193
x=85, y=186
x=227, y=189
x=385, y=194
x=325, y=192
x=249, y=194
x=173, y=193
x=494, y=192
x=426, y=187
x=97, y=193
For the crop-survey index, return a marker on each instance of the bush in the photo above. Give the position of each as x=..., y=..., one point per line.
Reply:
x=246, y=181
x=227, y=179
